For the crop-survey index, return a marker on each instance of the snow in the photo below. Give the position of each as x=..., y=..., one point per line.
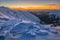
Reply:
x=22, y=25
x=15, y=14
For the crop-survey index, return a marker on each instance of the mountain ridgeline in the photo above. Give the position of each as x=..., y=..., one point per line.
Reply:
x=17, y=15
x=48, y=16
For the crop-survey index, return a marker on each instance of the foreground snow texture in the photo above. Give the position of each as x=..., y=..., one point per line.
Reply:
x=13, y=28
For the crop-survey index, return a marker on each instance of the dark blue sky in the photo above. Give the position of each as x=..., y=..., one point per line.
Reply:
x=29, y=2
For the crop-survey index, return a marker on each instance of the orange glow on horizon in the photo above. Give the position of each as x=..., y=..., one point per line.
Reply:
x=42, y=7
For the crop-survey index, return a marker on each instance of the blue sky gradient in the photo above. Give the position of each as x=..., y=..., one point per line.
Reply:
x=29, y=2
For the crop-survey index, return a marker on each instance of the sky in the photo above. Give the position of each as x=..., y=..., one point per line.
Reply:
x=31, y=3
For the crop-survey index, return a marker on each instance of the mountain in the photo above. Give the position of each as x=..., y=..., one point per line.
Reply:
x=15, y=14
x=46, y=12
x=48, y=16
x=21, y=25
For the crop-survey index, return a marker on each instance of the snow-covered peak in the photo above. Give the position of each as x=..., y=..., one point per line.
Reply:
x=1, y=7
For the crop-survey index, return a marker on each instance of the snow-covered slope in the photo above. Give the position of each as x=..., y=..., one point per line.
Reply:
x=20, y=15
x=21, y=25
x=21, y=30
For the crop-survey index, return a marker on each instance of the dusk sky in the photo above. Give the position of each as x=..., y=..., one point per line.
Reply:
x=29, y=3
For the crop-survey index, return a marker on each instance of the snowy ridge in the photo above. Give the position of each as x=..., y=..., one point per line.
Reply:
x=11, y=14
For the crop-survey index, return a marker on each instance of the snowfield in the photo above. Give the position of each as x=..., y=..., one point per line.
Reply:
x=21, y=25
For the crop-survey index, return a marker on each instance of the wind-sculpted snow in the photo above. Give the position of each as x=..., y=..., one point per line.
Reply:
x=20, y=25
x=19, y=30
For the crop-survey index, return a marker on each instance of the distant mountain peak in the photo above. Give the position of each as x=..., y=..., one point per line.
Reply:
x=3, y=7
